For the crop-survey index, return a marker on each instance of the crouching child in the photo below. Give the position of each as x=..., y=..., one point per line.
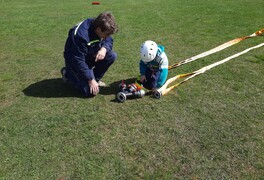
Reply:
x=153, y=65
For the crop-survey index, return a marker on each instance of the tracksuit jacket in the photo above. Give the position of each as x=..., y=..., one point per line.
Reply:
x=81, y=48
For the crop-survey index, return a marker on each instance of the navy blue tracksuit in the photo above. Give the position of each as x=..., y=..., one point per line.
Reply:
x=80, y=51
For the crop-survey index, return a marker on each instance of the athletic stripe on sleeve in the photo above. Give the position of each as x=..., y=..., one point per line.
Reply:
x=75, y=32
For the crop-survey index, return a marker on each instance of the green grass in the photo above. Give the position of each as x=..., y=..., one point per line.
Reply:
x=209, y=128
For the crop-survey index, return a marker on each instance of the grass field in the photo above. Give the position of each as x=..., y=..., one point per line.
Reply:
x=209, y=128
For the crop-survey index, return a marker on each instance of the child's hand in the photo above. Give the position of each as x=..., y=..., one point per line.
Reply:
x=143, y=78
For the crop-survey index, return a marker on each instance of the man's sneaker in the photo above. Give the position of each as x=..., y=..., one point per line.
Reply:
x=101, y=83
x=63, y=74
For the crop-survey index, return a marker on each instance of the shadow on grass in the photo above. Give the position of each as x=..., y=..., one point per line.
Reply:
x=56, y=88
x=51, y=88
x=113, y=87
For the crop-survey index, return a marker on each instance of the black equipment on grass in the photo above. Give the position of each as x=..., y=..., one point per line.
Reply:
x=129, y=91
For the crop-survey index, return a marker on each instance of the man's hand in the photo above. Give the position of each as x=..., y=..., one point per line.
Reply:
x=100, y=55
x=94, y=87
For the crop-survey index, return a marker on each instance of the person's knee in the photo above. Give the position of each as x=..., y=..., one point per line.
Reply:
x=111, y=56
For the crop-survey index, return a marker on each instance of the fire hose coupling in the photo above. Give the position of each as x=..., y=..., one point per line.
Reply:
x=157, y=94
x=133, y=90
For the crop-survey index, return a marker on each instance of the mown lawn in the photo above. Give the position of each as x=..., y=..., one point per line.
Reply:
x=211, y=127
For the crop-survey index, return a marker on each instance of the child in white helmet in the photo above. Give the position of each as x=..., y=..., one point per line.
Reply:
x=153, y=65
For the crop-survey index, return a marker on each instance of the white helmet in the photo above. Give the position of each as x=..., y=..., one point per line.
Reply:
x=148, y=51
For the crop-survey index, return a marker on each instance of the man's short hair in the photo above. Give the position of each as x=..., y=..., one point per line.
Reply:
x=106, y=21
